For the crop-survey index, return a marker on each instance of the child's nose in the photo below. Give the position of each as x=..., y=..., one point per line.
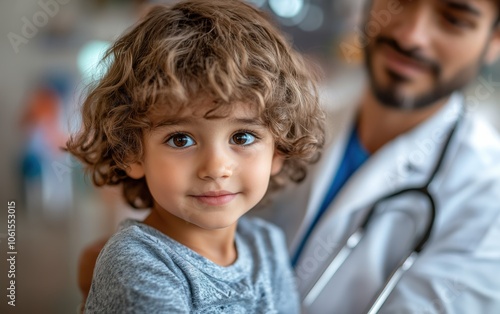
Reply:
x=216, y=163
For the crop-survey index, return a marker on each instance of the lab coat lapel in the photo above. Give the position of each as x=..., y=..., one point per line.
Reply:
x=406, y=161
x=423, y=146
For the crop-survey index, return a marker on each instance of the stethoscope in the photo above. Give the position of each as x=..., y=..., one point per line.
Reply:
x=354, y=239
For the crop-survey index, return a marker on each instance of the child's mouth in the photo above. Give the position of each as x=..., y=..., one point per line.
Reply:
x=215, y=198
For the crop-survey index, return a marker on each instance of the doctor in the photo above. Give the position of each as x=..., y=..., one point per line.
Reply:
x=391, y=139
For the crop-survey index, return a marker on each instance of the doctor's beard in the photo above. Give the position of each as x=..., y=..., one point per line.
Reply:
x=393, y=94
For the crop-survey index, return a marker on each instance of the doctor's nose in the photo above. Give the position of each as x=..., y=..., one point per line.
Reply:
x=215, y=163
x=412, y=28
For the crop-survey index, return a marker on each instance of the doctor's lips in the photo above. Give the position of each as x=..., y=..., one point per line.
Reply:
x=215, y=198
x=405, y=63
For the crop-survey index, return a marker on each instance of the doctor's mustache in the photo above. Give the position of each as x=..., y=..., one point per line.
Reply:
x=410, y=53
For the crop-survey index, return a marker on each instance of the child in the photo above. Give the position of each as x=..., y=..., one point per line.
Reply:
x=203, y=109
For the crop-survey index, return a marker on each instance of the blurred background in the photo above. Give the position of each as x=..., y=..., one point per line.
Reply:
x=48, y=53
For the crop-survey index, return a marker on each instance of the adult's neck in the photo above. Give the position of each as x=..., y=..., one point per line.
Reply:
x=379, y=124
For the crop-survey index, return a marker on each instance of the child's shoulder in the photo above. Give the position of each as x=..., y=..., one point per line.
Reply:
x=138, y=254
x=134, y=236
x=135, y=244
x=135, y=272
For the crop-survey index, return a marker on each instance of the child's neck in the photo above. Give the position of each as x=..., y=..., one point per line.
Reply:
x=216, y=245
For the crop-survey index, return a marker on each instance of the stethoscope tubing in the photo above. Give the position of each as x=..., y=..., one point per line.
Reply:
x=390, y=284
x=332, y=268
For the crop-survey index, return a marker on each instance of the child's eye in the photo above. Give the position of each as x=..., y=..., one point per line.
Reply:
x=180, y=140
x=242, y=138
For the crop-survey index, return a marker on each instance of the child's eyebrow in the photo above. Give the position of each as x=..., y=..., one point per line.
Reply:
x=168, y=122
x=187, y=120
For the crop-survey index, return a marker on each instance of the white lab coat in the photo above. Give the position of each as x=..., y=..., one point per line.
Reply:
x=457, y=272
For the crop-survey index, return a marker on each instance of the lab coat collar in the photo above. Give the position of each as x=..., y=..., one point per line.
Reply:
x=421, y=147
x=406, y=161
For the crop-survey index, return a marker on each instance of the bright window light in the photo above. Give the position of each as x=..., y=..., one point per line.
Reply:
x=286, y=8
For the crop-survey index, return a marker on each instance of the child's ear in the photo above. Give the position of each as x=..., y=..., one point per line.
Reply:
x=277, y=163
x=135, y=170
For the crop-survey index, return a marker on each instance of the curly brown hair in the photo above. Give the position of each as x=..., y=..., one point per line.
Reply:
x=226, y=50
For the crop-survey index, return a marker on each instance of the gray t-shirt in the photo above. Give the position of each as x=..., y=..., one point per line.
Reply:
x=141, y=270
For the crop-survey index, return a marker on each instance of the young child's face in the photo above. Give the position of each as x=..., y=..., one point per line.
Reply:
x=208, y=172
